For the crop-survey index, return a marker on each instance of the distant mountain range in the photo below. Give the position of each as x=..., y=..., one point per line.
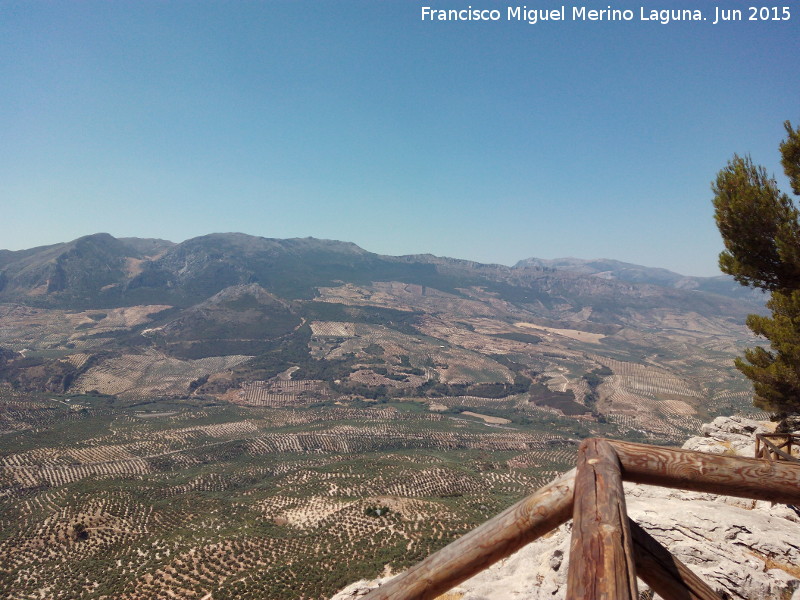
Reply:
x=723, y=285
x=100, y=271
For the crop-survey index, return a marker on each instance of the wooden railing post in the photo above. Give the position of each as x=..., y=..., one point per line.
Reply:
x=601, y=565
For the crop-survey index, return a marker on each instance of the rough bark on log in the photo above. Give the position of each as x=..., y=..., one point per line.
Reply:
x=753, y=478
x=601, y=565
x=499, y=537
x=668, y=576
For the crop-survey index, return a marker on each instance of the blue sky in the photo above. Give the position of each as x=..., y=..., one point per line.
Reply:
x=355, y=120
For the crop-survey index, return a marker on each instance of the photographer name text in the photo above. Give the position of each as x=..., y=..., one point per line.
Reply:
x=713, y=15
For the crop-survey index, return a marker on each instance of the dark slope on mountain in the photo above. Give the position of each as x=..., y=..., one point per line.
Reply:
x=71, y=270
x=200, y=267
x=241, y=319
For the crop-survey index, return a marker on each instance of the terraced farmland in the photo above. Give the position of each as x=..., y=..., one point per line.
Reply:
x=151, y=373
x=245, y=502
x=277, y=393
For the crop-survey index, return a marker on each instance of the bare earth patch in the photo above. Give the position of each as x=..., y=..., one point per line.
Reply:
x=575, y=334
x=487, y=418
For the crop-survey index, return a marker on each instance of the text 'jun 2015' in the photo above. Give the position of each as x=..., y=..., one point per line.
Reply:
x=713, y=15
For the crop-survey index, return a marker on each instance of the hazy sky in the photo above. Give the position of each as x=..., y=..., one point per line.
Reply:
x=356, y=120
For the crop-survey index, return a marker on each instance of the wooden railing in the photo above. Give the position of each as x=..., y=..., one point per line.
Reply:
x=608, y=550
x=779, y=449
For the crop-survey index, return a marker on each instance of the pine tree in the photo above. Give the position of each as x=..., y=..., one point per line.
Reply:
x=760, y=227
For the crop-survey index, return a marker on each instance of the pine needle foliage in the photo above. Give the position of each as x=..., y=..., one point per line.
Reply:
x=760, y=227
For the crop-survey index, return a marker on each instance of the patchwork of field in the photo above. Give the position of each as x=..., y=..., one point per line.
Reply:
x=409, y=297
x=451, y=363
x=120, y=501
x=150, y=373
x=280, y=392
x=404, y=340
x=575, y=334
x=25, y=327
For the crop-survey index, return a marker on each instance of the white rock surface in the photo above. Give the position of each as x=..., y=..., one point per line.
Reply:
x=742, y=548
x=729, y=435
x=359, y=589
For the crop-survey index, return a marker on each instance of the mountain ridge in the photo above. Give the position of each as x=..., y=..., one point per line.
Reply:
x=608, y=268
x=99, y=270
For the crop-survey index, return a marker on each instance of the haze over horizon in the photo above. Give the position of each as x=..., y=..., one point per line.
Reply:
x=358, y=121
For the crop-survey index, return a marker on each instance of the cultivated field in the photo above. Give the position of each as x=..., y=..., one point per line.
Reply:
x=113, y=501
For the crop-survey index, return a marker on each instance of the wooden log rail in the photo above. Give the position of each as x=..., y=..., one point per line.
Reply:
x=765, y=448
x=499, y=537
x=608, y=550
